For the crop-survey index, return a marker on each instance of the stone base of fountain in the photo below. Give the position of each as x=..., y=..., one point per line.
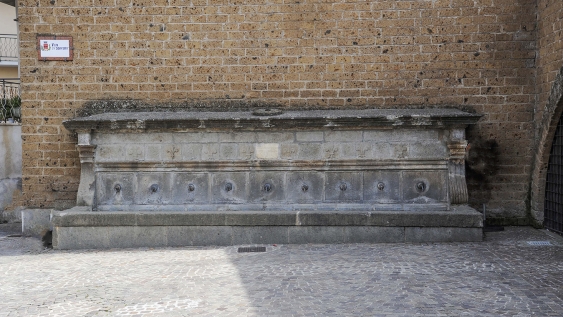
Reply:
x=81, y=229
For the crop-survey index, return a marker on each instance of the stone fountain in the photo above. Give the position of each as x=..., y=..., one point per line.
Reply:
x=269, y=176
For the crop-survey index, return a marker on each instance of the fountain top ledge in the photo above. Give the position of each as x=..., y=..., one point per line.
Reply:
x=281, y=119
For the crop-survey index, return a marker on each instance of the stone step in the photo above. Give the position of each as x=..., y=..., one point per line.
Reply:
x=78, y=229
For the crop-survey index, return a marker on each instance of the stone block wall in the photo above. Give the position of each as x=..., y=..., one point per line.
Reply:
x=550, y=90
x=287, y=146
x=475, y=54
x=290, y=160
x=550, y=46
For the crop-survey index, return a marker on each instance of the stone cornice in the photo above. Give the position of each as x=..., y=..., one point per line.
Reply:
x=246, y=120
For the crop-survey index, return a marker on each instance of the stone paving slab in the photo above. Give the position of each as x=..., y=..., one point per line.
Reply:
x=502, y=276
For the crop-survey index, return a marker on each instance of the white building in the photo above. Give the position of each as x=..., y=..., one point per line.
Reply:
x=9, y=52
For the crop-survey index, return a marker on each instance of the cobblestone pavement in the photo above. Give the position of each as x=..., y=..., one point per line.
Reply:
x=502, y=276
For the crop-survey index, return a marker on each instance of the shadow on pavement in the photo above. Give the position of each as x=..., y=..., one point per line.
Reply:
x=13, y=243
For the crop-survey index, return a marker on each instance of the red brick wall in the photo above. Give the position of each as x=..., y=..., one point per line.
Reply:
x=478, y=54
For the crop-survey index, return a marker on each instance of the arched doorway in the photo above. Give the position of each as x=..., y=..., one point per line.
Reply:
x=553, y=210
x=548, y=123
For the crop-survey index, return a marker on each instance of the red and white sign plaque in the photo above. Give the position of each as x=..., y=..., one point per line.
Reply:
x=55, y=48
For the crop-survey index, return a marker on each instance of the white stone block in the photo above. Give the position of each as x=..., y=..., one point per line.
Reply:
x=267, y=151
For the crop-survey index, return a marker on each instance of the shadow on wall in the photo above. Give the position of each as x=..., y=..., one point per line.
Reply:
x=480, y=167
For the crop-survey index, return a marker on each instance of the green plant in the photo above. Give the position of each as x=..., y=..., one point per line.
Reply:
x=10, y=108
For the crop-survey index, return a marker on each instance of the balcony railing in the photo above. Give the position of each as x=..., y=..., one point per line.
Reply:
x=9, y=48
x=10, y=101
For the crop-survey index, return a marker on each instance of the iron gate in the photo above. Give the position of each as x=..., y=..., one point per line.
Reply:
x=553, y=212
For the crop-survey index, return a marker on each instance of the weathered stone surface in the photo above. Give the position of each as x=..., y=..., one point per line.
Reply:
x=35, y=222
x=307, y=234
x=305, y=187
x=345, y=147
x=442, y=234
x=165, y=236
x=372, y=234
x=266, y=187
x=405, y=188
x=458, y=217
x=341, y=119
x=343, y=187
x=382, y=187
x=10, y=167
x=229, y=187
x=190, y=188
x=424, y=187
x=82, y=229
x=310, y=136
x=294, y=177
x=260, y=235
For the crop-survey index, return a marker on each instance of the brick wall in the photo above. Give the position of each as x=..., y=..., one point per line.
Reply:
x=549, y=107
x=477, y=54
x=550, y=46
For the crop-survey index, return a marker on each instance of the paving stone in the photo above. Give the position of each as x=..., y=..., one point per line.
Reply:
x=501, y=276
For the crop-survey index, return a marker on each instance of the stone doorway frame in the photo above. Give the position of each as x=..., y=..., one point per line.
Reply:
x=552, y=112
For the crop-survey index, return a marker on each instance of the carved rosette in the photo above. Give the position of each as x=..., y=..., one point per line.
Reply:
x=86, y=151
x=456, y=167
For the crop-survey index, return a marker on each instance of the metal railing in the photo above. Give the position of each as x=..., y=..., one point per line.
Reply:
x=9, y=48
x=10, y=100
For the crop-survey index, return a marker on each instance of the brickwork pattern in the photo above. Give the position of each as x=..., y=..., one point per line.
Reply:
x=478, y=54
x=550, y=46
x=549, y=109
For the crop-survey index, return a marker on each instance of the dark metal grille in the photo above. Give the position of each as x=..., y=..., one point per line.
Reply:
x=553, y=213
x=540, y=243
x=252, y=249
x=10, y=101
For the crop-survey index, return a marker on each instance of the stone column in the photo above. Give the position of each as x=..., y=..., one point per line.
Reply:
x=87, y=187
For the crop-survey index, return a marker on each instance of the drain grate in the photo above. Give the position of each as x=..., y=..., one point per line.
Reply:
x=539, y=243
x=252, y=249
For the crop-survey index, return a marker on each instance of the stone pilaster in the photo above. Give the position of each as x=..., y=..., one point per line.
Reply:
x=86, y=189
x=456, y=167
